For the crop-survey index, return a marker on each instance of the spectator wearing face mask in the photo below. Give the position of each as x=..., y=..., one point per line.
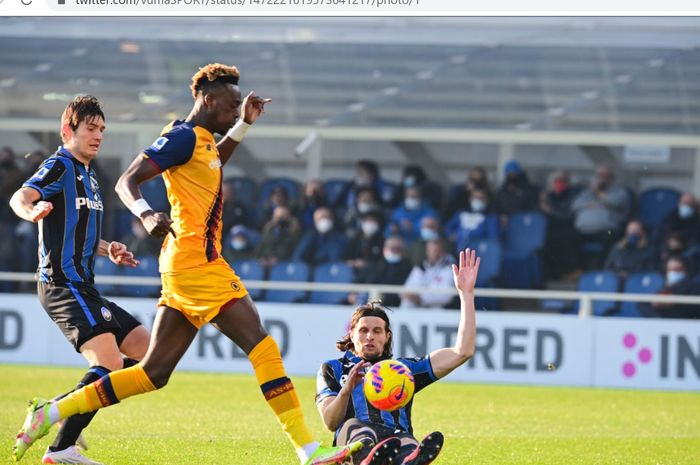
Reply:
x=474, y=224
x=234, y=211
x=683, y=221
x=314, y=197
x=323, y=243
x=678, y=282
x=559, y=255
x=434, y=273
x=366, y=201
x=430, y=230
x=239, y=246
x=279, y=197
x=279, y=237
x=366, y=176
x=405, y=220
x=366, y=246
x=412, y=176
x=633, y=253
x=393, y=268
x=516, y=194
x=459, y=200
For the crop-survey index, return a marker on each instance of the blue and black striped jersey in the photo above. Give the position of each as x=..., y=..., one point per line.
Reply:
x=333, y=373
x=70, y=234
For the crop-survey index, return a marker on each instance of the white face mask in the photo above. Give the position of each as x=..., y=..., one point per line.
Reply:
x=478, y=205
x=238, y=244
x=412, y=203
x=392, y=257
x=674, y=277
x=369, y=228
x=324, y=225
x=428, y=234
x=685, y=211
x=364, y=207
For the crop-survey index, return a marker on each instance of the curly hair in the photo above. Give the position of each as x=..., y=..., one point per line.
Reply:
x=213, y=74
x=82, y=108
x=371, y=308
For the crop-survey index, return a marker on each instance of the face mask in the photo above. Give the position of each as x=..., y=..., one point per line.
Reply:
x=238, y=244
x=364, y=207
x=391, y=257
x=428, y=234
x=478, y=205
x=685, y=211
x=633, y=239
x=369, y=228
x=674, y=277
x=362, y=181
x=410, y=181
x=324, y=225
x=559, y=186
x=412, y=203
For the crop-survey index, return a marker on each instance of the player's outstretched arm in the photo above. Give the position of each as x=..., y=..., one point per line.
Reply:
x=141, y=170
x=251, y=108
x=23, y=204
x=445, y=360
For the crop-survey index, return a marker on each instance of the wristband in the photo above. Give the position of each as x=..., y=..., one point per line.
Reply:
x=140, y=206
x=238, y=131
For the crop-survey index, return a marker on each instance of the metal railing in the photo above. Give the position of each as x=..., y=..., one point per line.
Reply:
x=585, y=299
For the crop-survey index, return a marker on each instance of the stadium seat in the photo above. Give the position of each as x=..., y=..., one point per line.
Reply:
x=525, y=236
x=640, y=283
x=655, y=204
x=288, y=271
x=106, y=267
x=333, y=188
x=148, y=267
x=599, y=281
x=250, y=270
x=290, y=185
x=491, y=254
x=155, y=194
x=432, y=192
x=337, y=272
x=244, y=188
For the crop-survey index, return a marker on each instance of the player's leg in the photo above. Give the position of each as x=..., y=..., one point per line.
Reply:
x=240, y=322
x=380, y=446
x=426, y=452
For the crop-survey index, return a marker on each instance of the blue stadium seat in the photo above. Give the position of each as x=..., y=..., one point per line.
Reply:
x=147, y=268
x=155, y=194
x=288, y=271
x=337, y=272
x=244, y=187
x=333, y=188
x=525, y=236
x=491, y=254
x=600, y=281
x=250, y=270
x=640, y=283
x=656, y=203
x=121, y=224
x=106, y=267
x=290, y=185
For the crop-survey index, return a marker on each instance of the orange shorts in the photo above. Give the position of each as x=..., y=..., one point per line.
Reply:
x=199, y=293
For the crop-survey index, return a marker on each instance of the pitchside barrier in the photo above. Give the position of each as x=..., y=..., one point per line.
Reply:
x=519, y=348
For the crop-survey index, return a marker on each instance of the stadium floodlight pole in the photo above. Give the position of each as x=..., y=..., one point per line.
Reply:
x=311, y=147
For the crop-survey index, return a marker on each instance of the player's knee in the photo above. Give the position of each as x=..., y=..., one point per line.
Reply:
x=158, y=376
x=112, y=362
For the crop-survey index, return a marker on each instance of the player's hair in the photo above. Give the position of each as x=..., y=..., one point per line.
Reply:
x=371, y=308
x=212, y=75
x=82, y=108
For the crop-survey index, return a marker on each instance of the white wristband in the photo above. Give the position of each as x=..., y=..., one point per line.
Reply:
x=238, y=131
x=140, y=206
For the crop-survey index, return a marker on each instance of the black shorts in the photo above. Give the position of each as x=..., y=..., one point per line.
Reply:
x=353, y=430
x=81, y=313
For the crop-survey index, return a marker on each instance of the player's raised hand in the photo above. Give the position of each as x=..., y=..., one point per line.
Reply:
x=40, y=210
x=465, y=274
x=120, y=255
x=356, y=375
x=158, y=224
x=252, y=107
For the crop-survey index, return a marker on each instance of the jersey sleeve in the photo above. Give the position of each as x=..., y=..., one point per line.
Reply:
x=48, y=179
x=422, y=371
x=172, y=148
x=327, y=385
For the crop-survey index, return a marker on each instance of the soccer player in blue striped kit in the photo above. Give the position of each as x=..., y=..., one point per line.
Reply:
x=64, y=198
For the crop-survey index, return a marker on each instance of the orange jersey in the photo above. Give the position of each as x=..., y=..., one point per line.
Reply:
x=187, y=156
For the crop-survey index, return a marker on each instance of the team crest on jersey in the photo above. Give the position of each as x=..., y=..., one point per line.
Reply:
x=159, y=143
x=93, y=184
x=106, y=314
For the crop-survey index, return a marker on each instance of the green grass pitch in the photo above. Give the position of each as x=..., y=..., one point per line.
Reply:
x=217, y=419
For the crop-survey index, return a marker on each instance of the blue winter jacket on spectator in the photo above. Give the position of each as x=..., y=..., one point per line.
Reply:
x=466, y=228
x=399, y=214
x=315, y=248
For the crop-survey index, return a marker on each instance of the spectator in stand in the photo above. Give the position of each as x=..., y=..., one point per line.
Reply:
x=476, y=179
x=279, y=237
x=476, y=223
x=10, y=180
x=140, y=242
x=678, y=282
x=516, y=194
x=366, y=246
x=434, y=273
x=279, y=197
x=405, y=220
x=393, y=268
x=429, y=231
x=683, y=221
x=366, y=201
x=673, y=246
x=314, y=197
x=633, y=254
x=412, y=176
x=235, y=212
x=599, y=215
x=239, y=245
x=560, y=257
x=323, y=243
x=366, y=175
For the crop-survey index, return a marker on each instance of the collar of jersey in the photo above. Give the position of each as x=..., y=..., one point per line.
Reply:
x=352, y=357
x=64, y=152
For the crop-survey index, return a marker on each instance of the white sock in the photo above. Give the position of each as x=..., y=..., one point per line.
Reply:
x=307, y=451
x=54, y=415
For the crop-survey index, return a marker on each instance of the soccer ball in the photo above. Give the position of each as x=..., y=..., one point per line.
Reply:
x=389, y=385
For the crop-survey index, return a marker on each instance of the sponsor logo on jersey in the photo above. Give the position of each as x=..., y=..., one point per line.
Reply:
x=214, y=164
x=39, y=175
x=89, y=203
